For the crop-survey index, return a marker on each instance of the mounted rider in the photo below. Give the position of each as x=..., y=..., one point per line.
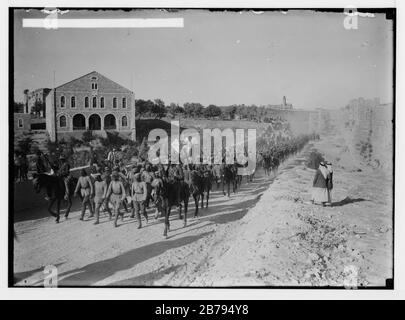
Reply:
x=176, y=177
x=64, y=173
x=147, y=177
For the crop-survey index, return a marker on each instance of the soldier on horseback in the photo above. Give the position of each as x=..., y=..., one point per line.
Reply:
x=147, y=177
x=176, y=177
x=64, y=173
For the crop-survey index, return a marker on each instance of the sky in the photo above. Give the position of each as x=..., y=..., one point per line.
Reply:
x=219, y=58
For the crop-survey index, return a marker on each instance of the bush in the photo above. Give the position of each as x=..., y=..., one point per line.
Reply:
x=25, y=144
x=114, y=140
x=87, y=136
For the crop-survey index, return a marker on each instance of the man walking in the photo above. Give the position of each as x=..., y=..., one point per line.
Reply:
x=139, y=193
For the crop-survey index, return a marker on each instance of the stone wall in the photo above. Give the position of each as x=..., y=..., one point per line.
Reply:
x=368, y=126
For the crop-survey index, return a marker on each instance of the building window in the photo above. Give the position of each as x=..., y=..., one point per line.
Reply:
x=86, y=102
x=124, y=121
x=73, y=102
x=102, y=102
x=94, y=86
x=114, y=102
x=20, y=123
x=62, y=122
x=94, y=102
x=62, y=101
x=124, y=102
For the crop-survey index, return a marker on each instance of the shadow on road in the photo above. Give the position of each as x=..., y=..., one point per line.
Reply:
x=347, y=200
x=147, y=279
x=97, y=271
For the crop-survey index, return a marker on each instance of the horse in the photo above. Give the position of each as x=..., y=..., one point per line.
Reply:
x=196, y=188
x=201, y=185
x=55, y=190
x=206, y=186
x=229, y=179
x=175, y=193
x=267, y=165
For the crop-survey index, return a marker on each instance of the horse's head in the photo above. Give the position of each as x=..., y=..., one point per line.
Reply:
x=36, y=182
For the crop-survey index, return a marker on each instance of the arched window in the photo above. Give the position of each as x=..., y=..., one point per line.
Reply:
x=114, y=102
x=124, y=102
x=102, y=102
x=124, y=121
x=62, y=122
x=86, y=102
x=94, y=102
x=73, y=102
x=20, y=123
x=62, y=101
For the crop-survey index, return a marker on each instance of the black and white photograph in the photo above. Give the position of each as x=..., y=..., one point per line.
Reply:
x=202, y=147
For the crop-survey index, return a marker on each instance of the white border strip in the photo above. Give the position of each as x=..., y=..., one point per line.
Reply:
x=55, y=23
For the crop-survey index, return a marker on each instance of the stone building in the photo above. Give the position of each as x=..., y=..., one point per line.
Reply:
x=91, y=102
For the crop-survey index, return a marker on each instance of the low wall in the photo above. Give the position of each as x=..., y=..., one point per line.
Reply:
x=369, y=131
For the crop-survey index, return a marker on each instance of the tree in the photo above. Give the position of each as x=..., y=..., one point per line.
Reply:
x=18, y=107
x=141, y=108
x=38, y=108
x=143, y=150
x=25, y=144
x=158, y=109
x=212, y=111
x=174, y=109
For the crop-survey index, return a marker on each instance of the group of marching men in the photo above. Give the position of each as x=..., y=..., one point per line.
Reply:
x=114, y=184
x=137, y=186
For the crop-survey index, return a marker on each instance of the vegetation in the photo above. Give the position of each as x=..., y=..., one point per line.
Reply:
x=157, y=110
x=18, y=107
x=25, y=144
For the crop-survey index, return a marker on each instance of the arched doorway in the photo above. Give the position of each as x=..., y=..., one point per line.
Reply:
x=94, y=122
x=79, y=122
x=109, y=122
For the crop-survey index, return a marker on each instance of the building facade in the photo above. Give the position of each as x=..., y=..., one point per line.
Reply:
x=91, y=102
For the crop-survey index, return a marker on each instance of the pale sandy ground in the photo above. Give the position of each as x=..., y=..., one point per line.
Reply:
x=266, y=235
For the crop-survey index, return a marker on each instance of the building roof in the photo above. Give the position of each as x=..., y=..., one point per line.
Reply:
x=96, y=74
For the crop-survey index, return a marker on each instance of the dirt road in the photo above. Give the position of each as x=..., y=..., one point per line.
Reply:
x=266, y=234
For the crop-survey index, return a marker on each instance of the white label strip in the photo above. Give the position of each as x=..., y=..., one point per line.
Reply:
x=52, y=22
